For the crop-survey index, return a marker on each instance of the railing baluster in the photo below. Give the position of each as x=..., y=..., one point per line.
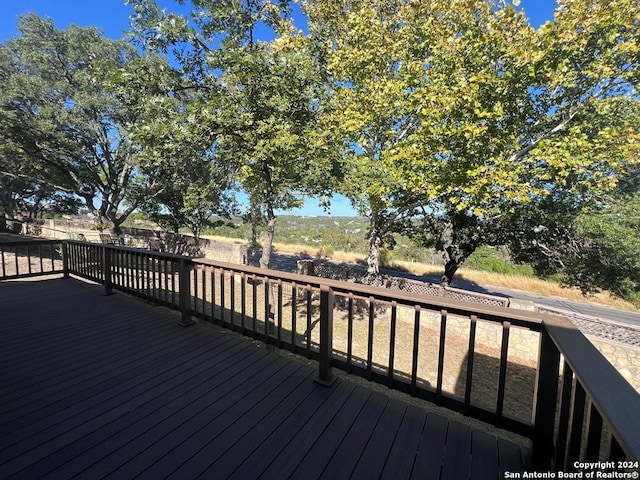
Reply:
x=4, y=269
x=279, y=309
x=294, y=315
x=577, y=422
x=309, y=300
x=40, y=257
x=502, y=377
x=470, y=356
x=350, y=333
x=267, y=307
x=195, y=290
x=28, y=259
x=254, y=304
x=138, y=261
x=155, y=276
x=108, y=285
x=232, y=294
x=148, y=275
x=243, y=302
x=131, y=273
x=67, y=258
x=416, y=343
x=563, y=422
x=593, y=434
x=167, y=283
x=392, y=343
x=222, y=295
x=213, y=294
x=372, y=315
x=204, y=292
x=185, y=293
x=212, y=302
x=545, y=395
x=443, y=333
x=173, y=282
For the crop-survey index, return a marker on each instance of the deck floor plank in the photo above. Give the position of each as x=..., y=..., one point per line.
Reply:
x=484, y=454
x=456, y=464
x=289, y=438
x=355, y=442
x=401, y=458
x=85, y=385
x=99, y=386
x=382, y=439
x=430, y=453
x=68, y=425
x=116, y=422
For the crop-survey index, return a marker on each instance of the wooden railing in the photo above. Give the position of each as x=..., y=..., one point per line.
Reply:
x=579, y=406
x=30, y=258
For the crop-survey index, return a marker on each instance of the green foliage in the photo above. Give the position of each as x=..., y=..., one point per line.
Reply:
x=610, y=256
x=62, y=114
x=464, y=109
x=490, y=259
x=255, y=101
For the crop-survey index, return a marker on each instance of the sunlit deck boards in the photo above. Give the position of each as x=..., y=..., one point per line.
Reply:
x=95, y=386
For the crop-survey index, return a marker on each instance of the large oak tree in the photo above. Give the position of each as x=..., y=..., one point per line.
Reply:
x=61, y=114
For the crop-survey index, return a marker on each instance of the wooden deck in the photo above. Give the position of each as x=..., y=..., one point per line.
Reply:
x=95, y=386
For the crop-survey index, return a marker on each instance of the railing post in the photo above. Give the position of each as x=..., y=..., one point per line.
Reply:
x=326, y=336
x=65, y=258
x=185, y=293
x=545, y=397
x=106, y=270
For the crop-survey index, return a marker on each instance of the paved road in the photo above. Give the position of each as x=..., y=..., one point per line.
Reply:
x=583, y=308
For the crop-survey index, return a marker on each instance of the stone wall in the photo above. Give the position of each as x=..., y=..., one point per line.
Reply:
x=229, y=252
x=625, y=358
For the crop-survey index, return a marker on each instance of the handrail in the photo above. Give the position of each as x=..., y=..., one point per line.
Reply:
x=492, y=313
x=610, y=398
x=31, y=251
x=591, y=398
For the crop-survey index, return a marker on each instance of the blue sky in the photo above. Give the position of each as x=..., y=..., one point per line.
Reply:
x=112, y=17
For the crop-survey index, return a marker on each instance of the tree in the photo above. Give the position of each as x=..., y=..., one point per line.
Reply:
x=175, y=146
x=591, y=250
x=261, y=96
x=508, y=115
x=367, y=110
x=610, y=257
x=60, y=111
x=26, y=187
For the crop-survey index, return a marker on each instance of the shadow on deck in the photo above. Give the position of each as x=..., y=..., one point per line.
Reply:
x=96, y=386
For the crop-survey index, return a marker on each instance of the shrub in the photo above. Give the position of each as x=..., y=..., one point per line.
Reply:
x=489, y=259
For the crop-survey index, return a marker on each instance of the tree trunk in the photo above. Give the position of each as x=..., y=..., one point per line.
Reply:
x=375, y=243
x=265, y=260
x=373, y=261
x=115, y=229
x=267, y=247
x=450, y=268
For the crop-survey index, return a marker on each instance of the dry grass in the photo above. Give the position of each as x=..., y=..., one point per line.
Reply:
x=513, y=282
x=304, y=308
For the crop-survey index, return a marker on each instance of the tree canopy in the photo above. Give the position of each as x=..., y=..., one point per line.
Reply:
x=60, y=114
x=456, y=122
x=466, y=110
x=261, y=97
